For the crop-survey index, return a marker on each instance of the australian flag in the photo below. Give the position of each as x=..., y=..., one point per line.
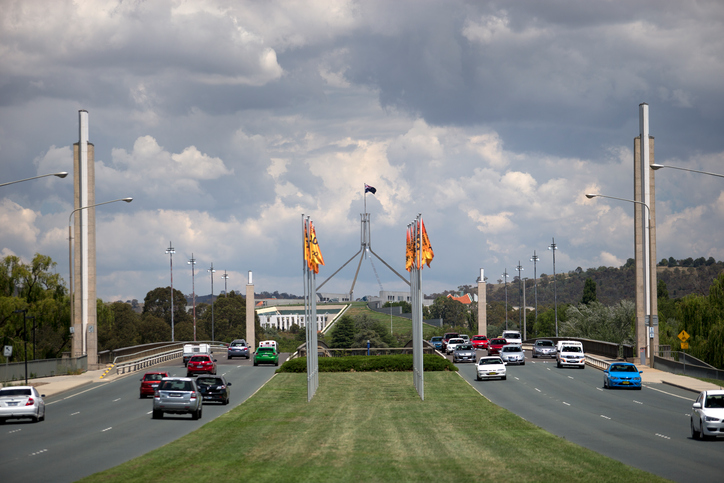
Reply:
x=370, y=189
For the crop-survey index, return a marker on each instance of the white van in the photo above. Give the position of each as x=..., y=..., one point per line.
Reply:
x=191, y=350
x=512, y=337
x=269, y=343
x=570, y=353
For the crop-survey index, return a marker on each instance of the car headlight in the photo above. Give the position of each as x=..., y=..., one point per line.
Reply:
x=710, y=419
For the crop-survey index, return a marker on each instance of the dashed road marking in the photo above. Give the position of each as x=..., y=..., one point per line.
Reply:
x=73, y=414
x=38, y=452
x=637, y=402
x=663, y=436
x=107, y=429
x=567, y=404
x=605, y=417
x=117, y=399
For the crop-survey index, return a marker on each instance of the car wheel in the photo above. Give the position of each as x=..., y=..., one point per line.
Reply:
x=276, y=363
x=201, y=409
x=42, y=418
x=247, y=358
x=558, y=364
x=35, y=419
x=694, y=433
x=226, y=401
x=534, y=356
x=256, y=363
x=229, y=357
x=188, y=374
x=522, y=363
x=156, y=414
x=195, y=415
x=477, y=377
x=504, y=378
x=605, y=383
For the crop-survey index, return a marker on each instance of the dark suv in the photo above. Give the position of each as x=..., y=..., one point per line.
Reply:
x=238, y=348
x=214, y=388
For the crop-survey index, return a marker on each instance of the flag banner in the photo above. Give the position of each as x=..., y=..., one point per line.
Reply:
x=314, y=250
x=427, y=253
x=307, y=257
x=370, y=189
x=409, y=256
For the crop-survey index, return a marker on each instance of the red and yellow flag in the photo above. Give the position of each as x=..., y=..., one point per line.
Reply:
x=427, y=253
x=409, y=255
x=314, y=251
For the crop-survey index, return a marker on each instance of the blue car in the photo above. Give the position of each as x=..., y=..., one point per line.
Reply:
x=622, y=374
x=436, y=342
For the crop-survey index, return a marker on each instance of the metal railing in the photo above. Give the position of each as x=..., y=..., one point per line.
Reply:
x=141, y=360
x=43, y=368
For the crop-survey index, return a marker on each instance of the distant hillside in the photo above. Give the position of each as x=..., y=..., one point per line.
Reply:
x=612, y=284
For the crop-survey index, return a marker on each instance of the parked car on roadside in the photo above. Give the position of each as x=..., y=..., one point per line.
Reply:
x=622, y=374
x=18, y=402
x=177, y=395
x=150, y=381
x=238, y=348
x=436, y=342
x=495, y=345
x=214, y=388
x=452, y=343
x=513, y=354
x=266, y=355
x=479, y=342
x=544, y=348
x=707, y=415
x=202, y=364
x=464, y=353
x=490, y=367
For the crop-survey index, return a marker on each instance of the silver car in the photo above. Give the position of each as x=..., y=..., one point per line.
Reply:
x=177, y=395
x=544, y=348
x=21, y=402
x=513, y=354
x=464, y=353
x=707, y=415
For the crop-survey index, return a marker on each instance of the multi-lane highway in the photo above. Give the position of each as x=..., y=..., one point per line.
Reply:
x=647, y=428
x=100, y=426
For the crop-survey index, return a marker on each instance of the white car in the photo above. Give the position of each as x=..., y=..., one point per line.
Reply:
x=21, y=402
x=490, y=367
x=707, y=415
x=512, y=337
x=452, y=343
x=513, y=354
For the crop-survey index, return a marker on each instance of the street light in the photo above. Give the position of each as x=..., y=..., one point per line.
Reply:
x=520, y=295
x=212, y=271
x=62, y=174
x=170, y=251
x=535, y=259
x=70, y=259
x=192, y=262
x=25, y=336
x=505, y=277
x=659, y=166
x=553, y=247
x=225, y=277
x=648, y=293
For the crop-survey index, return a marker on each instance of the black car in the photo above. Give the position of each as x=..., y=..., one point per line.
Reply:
x=238, y=348
x=214, y=388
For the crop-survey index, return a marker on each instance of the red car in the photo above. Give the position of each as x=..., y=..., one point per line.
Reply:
x=201, y=364
x=495, y=345
x=479, y=342
x=150, y=381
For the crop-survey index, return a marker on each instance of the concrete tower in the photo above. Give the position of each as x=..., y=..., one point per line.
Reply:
x=482, y=305
x=647, y=323
x=85, y=334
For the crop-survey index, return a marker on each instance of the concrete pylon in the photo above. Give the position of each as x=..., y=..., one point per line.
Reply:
x=250, y=315
x=85, y=332
x=482, y=305
x=645, y=248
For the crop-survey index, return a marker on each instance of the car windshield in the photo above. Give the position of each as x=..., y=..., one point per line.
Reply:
x=622, y=368
x=200, y=359
x=15, y=392
x=436, y=339
x=544, y=343
x=153, y=377
x=714, y=402
x=490, y=361
x=512, y=348
x=177, y=386
x=571, y=349
x=499, y=341
x=464, y=347
x=511, y=335
x=209, y=381
x=456, y=341
x=237, y=344
x=479, y=337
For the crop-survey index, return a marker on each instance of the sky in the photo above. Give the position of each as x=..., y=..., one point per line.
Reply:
x=229, y=121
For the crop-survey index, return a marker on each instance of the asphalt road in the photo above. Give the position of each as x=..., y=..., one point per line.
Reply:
x=98, y=427
x=647, y=428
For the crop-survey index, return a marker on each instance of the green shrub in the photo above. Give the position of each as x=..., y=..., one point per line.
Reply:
x=394, y=363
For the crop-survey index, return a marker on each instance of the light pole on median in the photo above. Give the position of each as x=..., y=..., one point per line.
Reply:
x=225, y=277
x=505, y=277
x=25, y=336
x=648, y=292
x=553, y=247
x=520, y=295
x=192, y=262
x=535, y=259
x=70, y=263
x=212, y=271
x=170, y=251
x=62, y=174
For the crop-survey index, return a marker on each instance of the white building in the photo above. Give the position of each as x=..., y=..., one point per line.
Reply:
x=282, y=318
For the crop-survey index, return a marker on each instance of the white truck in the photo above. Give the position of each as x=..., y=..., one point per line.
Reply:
x=512, y=337
x=191, y=350
x=570, y=353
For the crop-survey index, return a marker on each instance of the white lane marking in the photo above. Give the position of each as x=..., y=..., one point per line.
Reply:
x=77, y=394
x=548, y=368
x=566, y=403
x=669, y=394
x=117, y=399
x=14, y=431
x=38, y=452
x=605, y=417
x=599, y=389
x=149, y=412
x=570, y=377
x=73, y=414
x=663, y=436
x=537, y=389
x=637, y=402
x=517, y=379
x=107, y=429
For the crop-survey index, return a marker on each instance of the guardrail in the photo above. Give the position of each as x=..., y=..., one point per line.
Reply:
x=597, y=363
x=151, y=357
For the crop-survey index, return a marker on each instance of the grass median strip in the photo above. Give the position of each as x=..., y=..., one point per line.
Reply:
x=371, y=427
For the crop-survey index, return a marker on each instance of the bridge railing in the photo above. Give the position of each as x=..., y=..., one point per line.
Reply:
x=146, y=358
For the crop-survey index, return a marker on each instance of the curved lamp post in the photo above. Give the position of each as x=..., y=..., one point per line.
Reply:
x=656, y=167
x=170, y=251
x=62, y=174
x=70, y=258
x=505, y=277
x=648, y=293
x=553, y=247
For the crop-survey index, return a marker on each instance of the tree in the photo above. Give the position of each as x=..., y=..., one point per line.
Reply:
x=343, y=333
x=452, y=312
x=589, y=292
x=158, y=303
x=672, y=262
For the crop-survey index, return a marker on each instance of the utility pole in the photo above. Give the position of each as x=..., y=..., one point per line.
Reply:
x=535, y=259
x=170, y=251
x=192, y=262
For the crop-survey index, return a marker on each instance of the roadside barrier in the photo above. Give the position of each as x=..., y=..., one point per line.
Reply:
x=143, y=360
